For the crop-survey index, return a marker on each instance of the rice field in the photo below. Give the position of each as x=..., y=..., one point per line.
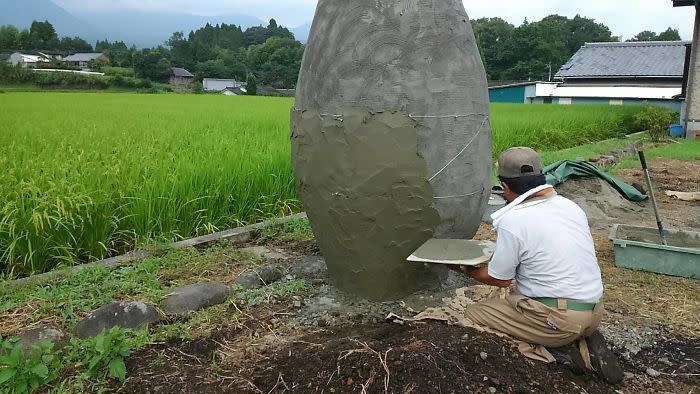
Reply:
x=84, y=176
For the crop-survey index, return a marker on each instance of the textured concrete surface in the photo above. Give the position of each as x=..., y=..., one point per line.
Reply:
x=415, y=60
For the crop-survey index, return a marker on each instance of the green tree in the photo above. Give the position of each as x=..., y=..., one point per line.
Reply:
x=180, y=51
x=277, y=61
x=9, y=37
x=43, y=35
x=153, y=64
x=669, y=35
x=257, y=35
x=585, y=30
x=118, y=53
x=527, y=51
x=212, y=69
x=235, y=62
x=251, y=85
x=492, y=36
x=25, y=40
x=74, y=44
x=95, y=65
x=645, y=35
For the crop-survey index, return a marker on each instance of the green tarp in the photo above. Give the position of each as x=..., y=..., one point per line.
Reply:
x=560, y=172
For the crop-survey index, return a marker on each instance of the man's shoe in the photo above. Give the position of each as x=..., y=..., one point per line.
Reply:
x=603, y=360
x=569, y=356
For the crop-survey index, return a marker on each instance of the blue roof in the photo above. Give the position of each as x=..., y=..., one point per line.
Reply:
x=626, y=59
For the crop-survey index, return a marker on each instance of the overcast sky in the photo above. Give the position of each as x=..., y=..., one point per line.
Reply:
x=624, y=17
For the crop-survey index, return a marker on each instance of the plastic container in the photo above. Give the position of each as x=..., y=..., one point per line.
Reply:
x=640, y=248
x=677, y=130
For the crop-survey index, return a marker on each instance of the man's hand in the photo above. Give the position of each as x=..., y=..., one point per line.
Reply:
x=482, y=275
x=463, y=269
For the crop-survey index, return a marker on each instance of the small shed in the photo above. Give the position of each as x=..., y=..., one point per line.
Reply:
x=522, y=93
x=181, y=78
x=82, y=60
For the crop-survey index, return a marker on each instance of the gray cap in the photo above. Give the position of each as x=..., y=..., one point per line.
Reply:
x=519, y=162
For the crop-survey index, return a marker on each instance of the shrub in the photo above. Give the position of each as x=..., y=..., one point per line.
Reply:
x=655, y=120
x=123, y=71
x=129, y=82
x=70, y=80
x=15, y=74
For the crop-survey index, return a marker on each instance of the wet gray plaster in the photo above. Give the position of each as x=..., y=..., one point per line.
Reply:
x=416, y=57
x=366, y=194
x=452, y=250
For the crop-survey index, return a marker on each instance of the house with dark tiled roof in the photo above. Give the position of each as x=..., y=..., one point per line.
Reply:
x=614, y=73
x=624, y=73
x=82, y=60
x=648, y=62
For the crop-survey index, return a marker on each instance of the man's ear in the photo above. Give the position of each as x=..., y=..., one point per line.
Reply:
x=506, y=188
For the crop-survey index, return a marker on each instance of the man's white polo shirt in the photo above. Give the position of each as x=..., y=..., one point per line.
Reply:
x=547, y=248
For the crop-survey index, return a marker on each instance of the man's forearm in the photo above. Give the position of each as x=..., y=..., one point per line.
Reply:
x=482, y=275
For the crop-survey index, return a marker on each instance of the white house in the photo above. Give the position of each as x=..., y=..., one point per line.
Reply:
x=25, y=60
x=218, y=85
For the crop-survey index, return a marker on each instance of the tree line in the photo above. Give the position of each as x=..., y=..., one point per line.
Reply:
x=40, y=36
x=533, y=49
x=271, y=55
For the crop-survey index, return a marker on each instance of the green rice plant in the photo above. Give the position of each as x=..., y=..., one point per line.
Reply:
x=84, y=176
x=555, y=127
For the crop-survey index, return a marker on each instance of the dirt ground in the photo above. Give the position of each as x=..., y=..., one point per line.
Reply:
x=328, y=342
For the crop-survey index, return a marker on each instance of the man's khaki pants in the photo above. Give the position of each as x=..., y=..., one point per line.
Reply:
x=535, y=323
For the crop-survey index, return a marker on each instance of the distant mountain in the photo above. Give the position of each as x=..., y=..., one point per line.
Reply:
x=143, y=29
x=21, y=14
x=301, y=33
x=147, y=29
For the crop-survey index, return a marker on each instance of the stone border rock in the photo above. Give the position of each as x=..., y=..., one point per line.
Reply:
x=235, y=236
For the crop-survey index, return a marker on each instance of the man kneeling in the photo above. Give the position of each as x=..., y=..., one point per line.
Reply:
x=545, y=245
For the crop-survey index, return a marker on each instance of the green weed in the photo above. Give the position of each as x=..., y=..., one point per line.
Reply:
x=23, y=373
x=102, y=356
x=297, y=229
x=278, y=290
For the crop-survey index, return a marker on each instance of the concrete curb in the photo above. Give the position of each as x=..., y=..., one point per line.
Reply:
x=235, y=236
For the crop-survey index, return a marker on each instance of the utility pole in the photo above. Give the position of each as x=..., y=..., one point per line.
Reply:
x=549, y=65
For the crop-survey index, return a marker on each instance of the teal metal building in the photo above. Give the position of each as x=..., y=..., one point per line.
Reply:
x=514, y=93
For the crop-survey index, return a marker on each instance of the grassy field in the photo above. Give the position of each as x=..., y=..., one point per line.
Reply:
x=85, y=176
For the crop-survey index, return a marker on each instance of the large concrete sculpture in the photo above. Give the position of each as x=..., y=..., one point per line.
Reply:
x=391, y=140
